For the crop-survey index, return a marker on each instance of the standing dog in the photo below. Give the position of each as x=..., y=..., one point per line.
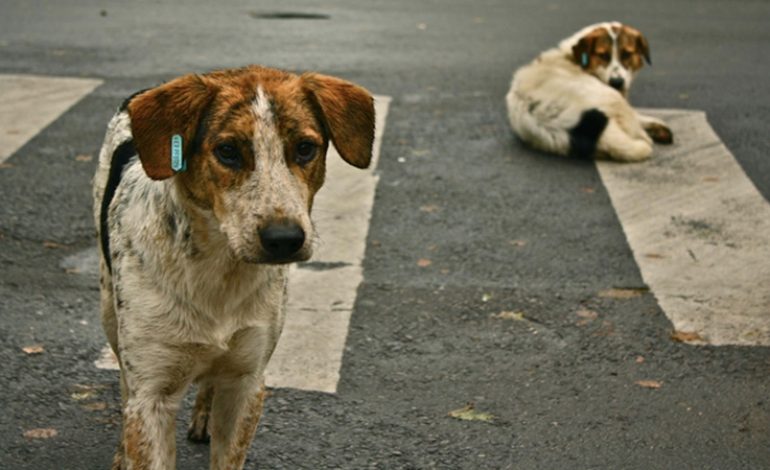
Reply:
x=202, y=196
x=572, y=99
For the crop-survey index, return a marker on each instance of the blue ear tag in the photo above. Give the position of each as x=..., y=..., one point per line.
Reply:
x=177, y=159
x=584, y=59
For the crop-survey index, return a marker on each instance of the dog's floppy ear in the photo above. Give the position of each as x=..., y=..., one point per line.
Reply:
x=174, y=108
x=348, y=111
x=582, y=51
x=644, y=47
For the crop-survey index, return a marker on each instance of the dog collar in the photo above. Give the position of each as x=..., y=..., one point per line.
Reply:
x=178, y=162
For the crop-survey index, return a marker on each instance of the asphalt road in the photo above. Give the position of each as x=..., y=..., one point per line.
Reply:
x=506, y=229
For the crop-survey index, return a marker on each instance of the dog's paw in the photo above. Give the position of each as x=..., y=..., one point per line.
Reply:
x=660, y=133
x=198, y=430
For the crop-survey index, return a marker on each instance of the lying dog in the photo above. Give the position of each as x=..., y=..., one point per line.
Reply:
x=202, y=196
x=572, y=99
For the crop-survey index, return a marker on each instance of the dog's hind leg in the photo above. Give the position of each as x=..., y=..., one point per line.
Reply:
x=615, y=143
x=658, y=131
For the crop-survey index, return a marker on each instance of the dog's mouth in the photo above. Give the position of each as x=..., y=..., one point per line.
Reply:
x=267, y=259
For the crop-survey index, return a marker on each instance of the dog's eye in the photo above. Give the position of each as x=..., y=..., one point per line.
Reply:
x=305, y=152
x=605, y=56
x=228, y=155
x=624, y=55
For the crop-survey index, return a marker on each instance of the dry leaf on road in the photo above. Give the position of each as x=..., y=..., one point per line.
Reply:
x=40, y=433
x=469, y=413
x=33, y=349
x=685, y=336
x=509, y=315
x=424, y=262
x=653, y=384
x=622, y=293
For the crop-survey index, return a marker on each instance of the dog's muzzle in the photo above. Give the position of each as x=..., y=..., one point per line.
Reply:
x=281, y=241
x=617, y=83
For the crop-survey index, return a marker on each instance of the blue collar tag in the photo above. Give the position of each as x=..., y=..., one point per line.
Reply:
x=177, y=159
x=584, y=59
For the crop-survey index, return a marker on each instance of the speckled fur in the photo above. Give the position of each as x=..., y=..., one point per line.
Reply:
x=190, y=296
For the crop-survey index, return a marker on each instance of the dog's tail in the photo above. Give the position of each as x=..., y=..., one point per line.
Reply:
x=584, y=136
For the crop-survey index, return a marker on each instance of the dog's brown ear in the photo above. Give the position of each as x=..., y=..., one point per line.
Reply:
x=174, y=108
x=349, y=113
x=582, y=51
x=644, y=47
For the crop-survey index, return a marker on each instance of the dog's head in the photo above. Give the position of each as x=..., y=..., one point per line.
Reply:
x=612, y=52
x=254, y=142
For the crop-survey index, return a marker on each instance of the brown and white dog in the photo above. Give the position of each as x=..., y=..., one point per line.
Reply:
x=202, y=196
x=573, y=99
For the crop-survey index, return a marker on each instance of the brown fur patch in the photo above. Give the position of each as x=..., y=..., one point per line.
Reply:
x=247, y=428
x=632, y=48
x=597, y=45
x=134, y=443
x=159, y=113
x=349, y=113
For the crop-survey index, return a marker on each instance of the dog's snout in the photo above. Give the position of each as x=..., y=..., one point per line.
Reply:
x=617, y=83
x=282, y=240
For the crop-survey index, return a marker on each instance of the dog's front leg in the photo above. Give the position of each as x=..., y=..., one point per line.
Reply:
x=235, y=411
x=156, y=377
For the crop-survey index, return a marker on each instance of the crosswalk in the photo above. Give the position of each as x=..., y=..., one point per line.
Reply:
x=700, y=233
x=699, y=230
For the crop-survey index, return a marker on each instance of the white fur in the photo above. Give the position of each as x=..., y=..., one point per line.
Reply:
x=548, y=96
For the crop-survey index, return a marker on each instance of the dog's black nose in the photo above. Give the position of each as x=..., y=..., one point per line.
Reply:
x=617, y=83
x=282, y=240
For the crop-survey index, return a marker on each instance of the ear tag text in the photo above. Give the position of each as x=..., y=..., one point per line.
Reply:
x=178, y=162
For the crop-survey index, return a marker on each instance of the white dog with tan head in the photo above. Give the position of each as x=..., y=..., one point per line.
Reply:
x=573, y=99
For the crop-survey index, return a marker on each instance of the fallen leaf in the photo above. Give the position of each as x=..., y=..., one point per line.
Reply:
x=623, y=293
x=653, y=384
x=40, y=433
x=469, y=413
x=84, y=395
x=429, y=208
x=711, y=179
x=639, y=359
x=654, y=256
x=586, y=316
x=84, y=158
x=518, y=243
x=422, y=26
x=509, y=315
x=13, y=131
x=486, y=297
x=52, y=245
x=424, y=262
x=685, y=336
x=33, y=349
x=95, y=406
x=587, y=190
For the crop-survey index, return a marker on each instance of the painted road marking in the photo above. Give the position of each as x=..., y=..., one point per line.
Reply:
x=700, y=233
x=28, y=103
x=322, y=293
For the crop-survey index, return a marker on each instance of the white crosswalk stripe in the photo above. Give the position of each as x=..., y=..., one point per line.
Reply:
x=28, y=103
x=700, y=233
